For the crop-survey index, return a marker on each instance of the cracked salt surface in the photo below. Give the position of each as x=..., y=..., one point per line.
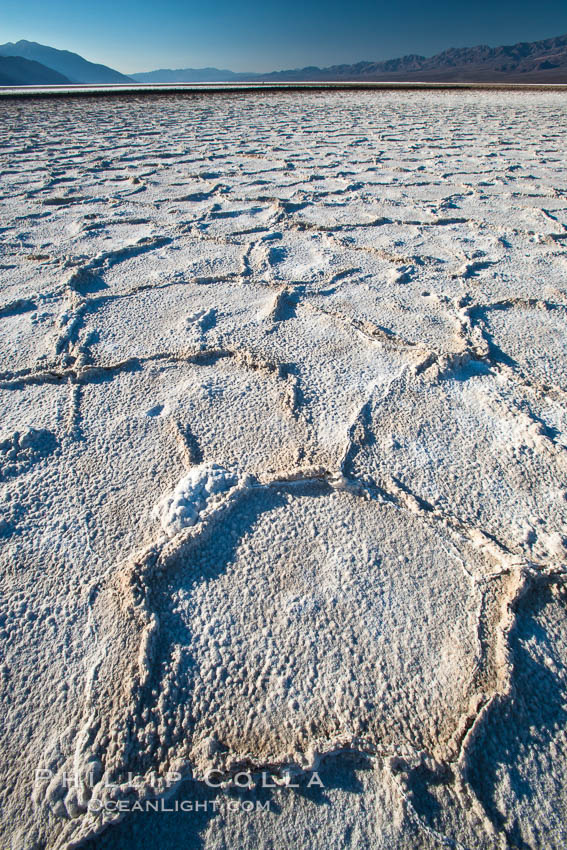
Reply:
x=283, y=469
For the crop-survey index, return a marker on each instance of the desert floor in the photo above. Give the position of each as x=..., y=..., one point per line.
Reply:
x=283, y=471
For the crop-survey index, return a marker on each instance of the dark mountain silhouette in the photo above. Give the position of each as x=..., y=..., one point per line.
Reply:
x=71, y=65
x=527, y=62
x=15, y=71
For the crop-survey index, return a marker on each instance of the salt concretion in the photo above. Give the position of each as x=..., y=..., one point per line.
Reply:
x=196, y=492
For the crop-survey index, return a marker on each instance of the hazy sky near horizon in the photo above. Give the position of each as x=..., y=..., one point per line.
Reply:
x=262, y=35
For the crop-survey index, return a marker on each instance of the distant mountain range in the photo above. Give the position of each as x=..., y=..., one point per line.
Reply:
x=527, y=62
x=74, y=68
x=194, y=75
x=537, y=61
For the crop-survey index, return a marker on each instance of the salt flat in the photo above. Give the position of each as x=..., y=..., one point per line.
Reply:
x=283, y=470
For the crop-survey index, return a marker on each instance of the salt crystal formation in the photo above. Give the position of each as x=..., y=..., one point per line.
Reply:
x=283, y=470
x=195, y=492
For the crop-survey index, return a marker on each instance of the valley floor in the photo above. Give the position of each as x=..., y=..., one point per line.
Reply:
x=283, y=471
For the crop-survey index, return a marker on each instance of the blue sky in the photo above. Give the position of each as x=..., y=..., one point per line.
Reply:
x=262, y=35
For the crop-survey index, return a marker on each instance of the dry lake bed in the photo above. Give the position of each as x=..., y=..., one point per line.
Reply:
x=283, y=471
